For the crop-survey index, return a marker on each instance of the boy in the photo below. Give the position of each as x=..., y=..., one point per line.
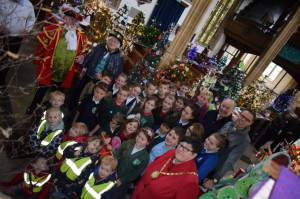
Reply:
x=115, y=105
x=161, y=112
x=34, y=181
x=77, y=134
x=102, y=180
x=89, y=109
x=149, y=90
x=120, y=81
x=161, y=132
x=183, y=90
x=133, y=99
x=45, y=137
x=112, y=128
x=163, y=90
x=56, y=100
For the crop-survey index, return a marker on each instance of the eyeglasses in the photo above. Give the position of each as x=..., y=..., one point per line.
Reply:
x=245, y=118
x=185, y=149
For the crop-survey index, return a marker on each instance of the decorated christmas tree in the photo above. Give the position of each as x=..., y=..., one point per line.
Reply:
x=221, y=64
x=255, y=97
x=135, y=28
x=229, y=84
x=179, y=71
x=149, y=35
x=101, y=21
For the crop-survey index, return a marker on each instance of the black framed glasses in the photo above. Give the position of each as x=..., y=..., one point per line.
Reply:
x=185, y=149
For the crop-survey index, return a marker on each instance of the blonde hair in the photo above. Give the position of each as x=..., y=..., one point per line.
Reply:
x=57, y=94
x=54, y=110
x=205, y=92
x=81, y=127
x=111, y=161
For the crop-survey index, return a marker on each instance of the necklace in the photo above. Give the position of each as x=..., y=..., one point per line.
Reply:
x=156, y=174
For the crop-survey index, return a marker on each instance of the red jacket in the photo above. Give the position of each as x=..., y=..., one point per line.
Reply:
x=19, y=178
x=48, y=40
x=168, y=187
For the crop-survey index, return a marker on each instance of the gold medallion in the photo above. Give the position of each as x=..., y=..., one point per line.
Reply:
x=154, y=174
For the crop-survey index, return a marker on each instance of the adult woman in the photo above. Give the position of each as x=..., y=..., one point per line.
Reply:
x=172, y=175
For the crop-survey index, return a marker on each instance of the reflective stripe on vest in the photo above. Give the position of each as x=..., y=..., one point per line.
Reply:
x=74, y=169
x=36, y=183
x=48, y=139
x=41, y=128
x=90, y=189
x=62, y=147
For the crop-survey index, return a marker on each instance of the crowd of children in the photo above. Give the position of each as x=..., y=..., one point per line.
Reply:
x=102, y=147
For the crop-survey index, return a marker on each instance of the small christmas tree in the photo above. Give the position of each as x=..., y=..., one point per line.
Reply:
x=149, y=35
x=255, y=97
x=135, y=28
x=229, y=84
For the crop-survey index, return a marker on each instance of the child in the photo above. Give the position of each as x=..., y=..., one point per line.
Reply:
x=133, y=99
x=172, y=139
x=88, y=89
x=202, y=99
x=76, y=134
x=56, y=100
x=130, y=129
x=208, y=158
x=188, y=115
x=115, y=105
x=172, y=89
x=112, y=128
x=160, y=112
x=183, y=89
x=45, y=137
x=133, y=158
x=120, y=81
x=195, y=130
x=102, y=180
x=163, y=89
x=179, y=104
x=34, y=181
x=161, y=132
x=145, y=116
x=89, y=109
x=149, y=90
x=80, y=161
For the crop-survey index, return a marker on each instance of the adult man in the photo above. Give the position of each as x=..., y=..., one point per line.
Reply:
x=16, y=20
x=214, y=120
x=59, y=46
x=239, y=140
x=103, y=58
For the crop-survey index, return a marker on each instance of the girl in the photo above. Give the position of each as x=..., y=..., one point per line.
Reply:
x=171, y=141
x=130, y=129
x=208, y=158
x=146, y=116
x=133, y=158
x=196, y=130
x=188, y=114
x=161, y=112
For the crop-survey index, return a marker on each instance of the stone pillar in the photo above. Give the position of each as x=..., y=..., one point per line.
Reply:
x=186, y=32
x=274, y=47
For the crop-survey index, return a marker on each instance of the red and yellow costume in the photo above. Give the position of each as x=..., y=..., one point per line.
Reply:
x=165, y=180
x=48, y=40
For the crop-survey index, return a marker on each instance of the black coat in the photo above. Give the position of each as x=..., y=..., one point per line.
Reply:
x=115, y=61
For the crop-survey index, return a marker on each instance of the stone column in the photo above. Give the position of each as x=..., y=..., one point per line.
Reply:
x=274, y=47
x=186, y=31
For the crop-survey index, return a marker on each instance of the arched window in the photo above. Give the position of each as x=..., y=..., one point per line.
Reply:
x=215, y=19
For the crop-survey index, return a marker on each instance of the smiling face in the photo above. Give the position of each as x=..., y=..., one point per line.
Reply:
x=163, y=89
x=172, y=139
x=226, y=108
x=211, y=143
x=56, y=101
x=120, y=81
x=53, y=118
x=186, y=114
x=184, y=89
x=141, y=140
x=179, y=104
x=113, y=43
x=74, y=132
x=245, y=119
x=131, y=127
x=122, y=96
x=167, y=104
x=94, y=146
x=184, y=152
x=99, y=94
x=150, y=90
x=149, y=106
